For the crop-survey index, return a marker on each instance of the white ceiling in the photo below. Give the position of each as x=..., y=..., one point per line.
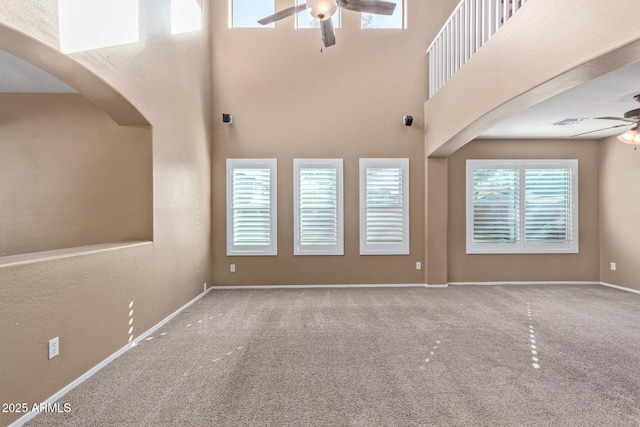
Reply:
x=606, y=96
x=609, y=95
x=18, y=75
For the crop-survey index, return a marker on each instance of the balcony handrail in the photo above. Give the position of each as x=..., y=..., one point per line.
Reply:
x=471, y=24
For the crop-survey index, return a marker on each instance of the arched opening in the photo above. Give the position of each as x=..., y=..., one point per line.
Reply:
x=76, y=167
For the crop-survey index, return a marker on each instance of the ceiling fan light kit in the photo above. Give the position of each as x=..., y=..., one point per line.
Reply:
x=630, y=118
x=632, y=137
x=323, y=10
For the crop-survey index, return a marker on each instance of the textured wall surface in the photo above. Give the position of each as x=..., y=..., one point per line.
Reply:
x=619, y=213
x=290, y=100
x=70, y=175
x=88, y=300
x=582, y=266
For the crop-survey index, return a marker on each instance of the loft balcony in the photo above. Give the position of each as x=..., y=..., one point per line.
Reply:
x=495, y=58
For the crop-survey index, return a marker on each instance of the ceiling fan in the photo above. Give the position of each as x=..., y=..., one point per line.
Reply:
x=630, y=118
x=323, y=10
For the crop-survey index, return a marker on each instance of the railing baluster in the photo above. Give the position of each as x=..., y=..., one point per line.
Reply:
x=460, y=41
x=470, y=26
x=478, y=23
x=463, y=39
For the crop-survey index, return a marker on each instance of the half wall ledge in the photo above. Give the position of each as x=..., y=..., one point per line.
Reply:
x=33, y=257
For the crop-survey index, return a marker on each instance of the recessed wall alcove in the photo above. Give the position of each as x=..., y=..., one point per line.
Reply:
x=76, y=168
x=70, y=176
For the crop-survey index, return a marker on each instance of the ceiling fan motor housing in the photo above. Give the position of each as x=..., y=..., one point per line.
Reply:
x=322, y=9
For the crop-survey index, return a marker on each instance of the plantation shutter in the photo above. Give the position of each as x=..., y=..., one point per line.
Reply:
x=318, y=197
x=251, y=207
x=496, y=205
x=522, y=206
x=385, y=206
x=548, y=206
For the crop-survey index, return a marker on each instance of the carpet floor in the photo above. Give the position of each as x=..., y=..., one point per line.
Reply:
x=462, y=356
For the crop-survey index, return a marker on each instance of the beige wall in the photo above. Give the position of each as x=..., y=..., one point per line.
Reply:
x=290, y=100
x=436, y=233
x=548, y=47
x=537, y=267
x=70, y=175
x=85, y=299
x=619, y=213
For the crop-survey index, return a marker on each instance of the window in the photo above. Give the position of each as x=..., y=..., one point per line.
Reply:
x=186, y=16
x=318, y=209
x=86, y=25
x=246, y=13
x=384, y=206
x=397, y=20
x=522, y=206
x=251, y=207
x=305, y=20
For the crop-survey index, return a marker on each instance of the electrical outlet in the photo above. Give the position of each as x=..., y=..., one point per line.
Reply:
x=54, y=347
x=418, y=265
x=613, y=266
x=232, y=268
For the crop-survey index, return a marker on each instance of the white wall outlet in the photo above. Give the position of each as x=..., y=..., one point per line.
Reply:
x=232, y=268
x=54, y=347
x=613, y=266
x=418, y=265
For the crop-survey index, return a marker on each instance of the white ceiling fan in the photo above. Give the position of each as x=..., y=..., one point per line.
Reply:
x=630, y=118
x=323, y=10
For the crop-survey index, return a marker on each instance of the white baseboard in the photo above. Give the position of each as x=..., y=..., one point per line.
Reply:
x=402, y=285
x=106, y=361
x=522, y=283
x=442, y=286
x=622, y=288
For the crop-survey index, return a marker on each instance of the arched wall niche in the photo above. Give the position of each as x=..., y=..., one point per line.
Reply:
x=76, y=169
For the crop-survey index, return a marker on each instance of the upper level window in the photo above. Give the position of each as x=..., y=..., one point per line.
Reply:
x=86, y=25
x=397, y=20
x=246, y=13
x=251, y=207
x=186, y=16
x=522, y=206
x=305, y=20
x=384, y=206
x=318, y=207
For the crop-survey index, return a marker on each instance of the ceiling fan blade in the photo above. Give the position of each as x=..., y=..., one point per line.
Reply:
x=328, y=33
x=282, y=14
x=599, y=130
x=377, y=7
x=617, y=118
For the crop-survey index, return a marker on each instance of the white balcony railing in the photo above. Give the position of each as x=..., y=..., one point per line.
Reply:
x=471, y=24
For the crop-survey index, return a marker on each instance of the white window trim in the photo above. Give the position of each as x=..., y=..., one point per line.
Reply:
x=272, y=249
x=522, y=247
x=385, y=248
x=336, y=164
